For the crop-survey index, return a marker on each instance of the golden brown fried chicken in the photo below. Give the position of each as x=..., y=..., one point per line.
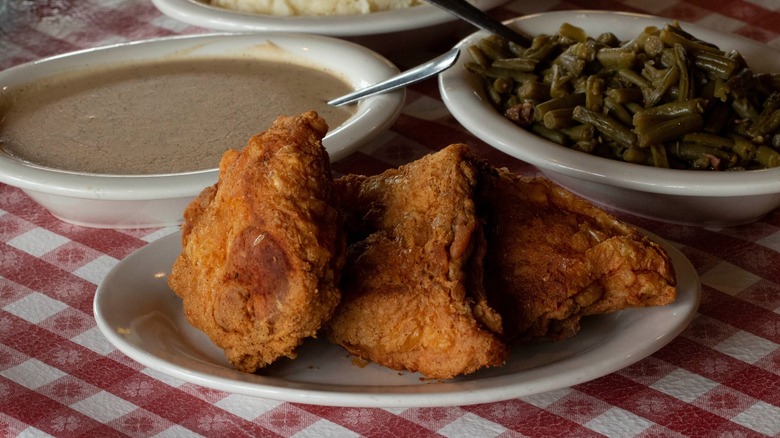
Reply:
x=262, y=249
x=412, y=297
x=554, y=257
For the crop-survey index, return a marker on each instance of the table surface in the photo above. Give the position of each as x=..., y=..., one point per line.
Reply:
x=60, y=376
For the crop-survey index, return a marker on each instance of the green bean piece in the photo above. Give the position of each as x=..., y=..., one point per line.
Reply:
x=549, y=134
x=670, y=76
x=583, y=132
x=685, y=88
x=609, y=39
x=512, y=101
x=743, y=106
x=675, y=27
x=720, y=89
x=586, y=50
x=691, y=152
x=764, y=127
x=743, y=147
x=533, y=90
x=768, y=120
x=558, y=118
x=702, y=162
x=633, y=107
x=503, y=85
x=519, y=64
x=711, y=140
x=636, y=155
x=606, y=125
x=587, y=146
x=580, y=84
x=572, y=63
x=667, y=58
x=495, y=97
x=618, y=111
x=492, y=49
x=644, y=121
x=639, y=41
x=594, y=89
x=516, y=49
x=541, y=48
x=478, y=56
x=634, y=78
x=675, y=109
x=625, y=95
x=767, y=157
x=776, y=141
x=669, y=130
x=559, y=83
x=671, y=37
x=715, y=64
x=651, y=72
x=658, y=152
x=493, y=73
x=568, y=101
x=653, y=46
x=572, y=32
x=616, y=58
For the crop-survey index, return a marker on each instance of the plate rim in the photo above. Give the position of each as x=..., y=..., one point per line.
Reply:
x=449, y=393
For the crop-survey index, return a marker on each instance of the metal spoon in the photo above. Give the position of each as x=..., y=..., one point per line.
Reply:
x=416, y=74
x=472, y=14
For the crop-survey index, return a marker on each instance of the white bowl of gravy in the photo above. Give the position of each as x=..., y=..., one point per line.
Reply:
x=125, y=136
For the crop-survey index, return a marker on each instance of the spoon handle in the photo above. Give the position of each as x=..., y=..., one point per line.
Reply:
x=472, y=14
x=416, y=74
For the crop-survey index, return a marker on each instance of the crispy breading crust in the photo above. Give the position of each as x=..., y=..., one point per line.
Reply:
x=406, y=303
x=263, y=248
x=554, y=257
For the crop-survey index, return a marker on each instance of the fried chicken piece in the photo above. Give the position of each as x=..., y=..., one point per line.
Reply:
x=263, y=247
x=554, y=257
x=411, y=263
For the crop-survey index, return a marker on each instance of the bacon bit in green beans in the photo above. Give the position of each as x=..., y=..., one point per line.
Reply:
x=664, y=98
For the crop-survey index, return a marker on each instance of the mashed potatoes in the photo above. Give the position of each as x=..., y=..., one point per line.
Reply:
x=313, y=7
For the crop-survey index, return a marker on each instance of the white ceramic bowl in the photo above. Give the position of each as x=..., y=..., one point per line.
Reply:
x=132, y=201
x=200, y=13
x=388, y=32
x=702, y=198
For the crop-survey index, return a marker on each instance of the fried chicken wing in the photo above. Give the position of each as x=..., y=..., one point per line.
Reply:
x=412, y=286
x=262, y=249
x=554, y=257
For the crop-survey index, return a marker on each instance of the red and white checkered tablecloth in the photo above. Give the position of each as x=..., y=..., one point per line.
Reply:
x=59, y=376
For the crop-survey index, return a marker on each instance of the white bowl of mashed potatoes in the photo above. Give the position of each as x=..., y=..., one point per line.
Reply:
x=388, y=26
x=125, y=136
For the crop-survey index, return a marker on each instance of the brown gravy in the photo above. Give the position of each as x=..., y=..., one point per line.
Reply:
x=157, y=118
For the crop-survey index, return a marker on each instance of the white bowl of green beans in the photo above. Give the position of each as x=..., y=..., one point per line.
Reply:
x=669, y=121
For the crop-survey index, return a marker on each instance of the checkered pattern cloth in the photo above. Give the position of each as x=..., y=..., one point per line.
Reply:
x=59, y=376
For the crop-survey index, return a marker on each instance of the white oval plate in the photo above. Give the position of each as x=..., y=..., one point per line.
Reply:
x=199, y=13
x=143, y=318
